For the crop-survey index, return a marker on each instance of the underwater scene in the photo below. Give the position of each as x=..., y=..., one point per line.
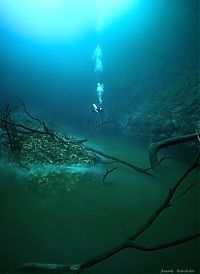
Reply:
x=99, y=136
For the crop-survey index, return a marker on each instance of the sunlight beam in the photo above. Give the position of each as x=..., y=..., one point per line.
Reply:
x=60, y=18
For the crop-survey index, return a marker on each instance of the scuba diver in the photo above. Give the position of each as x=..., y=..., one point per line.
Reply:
x=98, y=114
x=96, y=108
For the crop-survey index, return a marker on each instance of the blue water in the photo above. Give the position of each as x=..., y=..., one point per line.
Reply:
x=151, y=46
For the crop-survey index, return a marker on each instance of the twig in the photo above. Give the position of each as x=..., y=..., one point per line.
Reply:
x=156, y=164
x=42, y=123
x=108, y=172
x=25, y=128
x=29, y=115
x=139, y=169
x=187, y=189
x=164, y=245
x=167, y=202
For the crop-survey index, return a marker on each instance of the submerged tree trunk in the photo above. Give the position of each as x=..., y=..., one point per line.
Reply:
x=155, y=147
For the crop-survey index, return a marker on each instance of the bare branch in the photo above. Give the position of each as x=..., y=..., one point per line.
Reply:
x=29, y=115
x=129, y=242
x=167, y=202
x=155, y=147
x=25, y=128
x=164, y=245
x=139, y=169
x=187, y=189
x=156, y=164
x=108, y=172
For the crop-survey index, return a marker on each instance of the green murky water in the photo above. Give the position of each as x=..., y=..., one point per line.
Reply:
x=74, y=226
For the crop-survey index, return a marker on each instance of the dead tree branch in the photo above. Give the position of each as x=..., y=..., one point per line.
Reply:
x=187, y=189
x=29, y=115
x=108, y=172
x=154, y=148
x=25, y=128
x=139, y=169
x=129, y=242
x=159, y=161
x=9, y=129
x=164, y=245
